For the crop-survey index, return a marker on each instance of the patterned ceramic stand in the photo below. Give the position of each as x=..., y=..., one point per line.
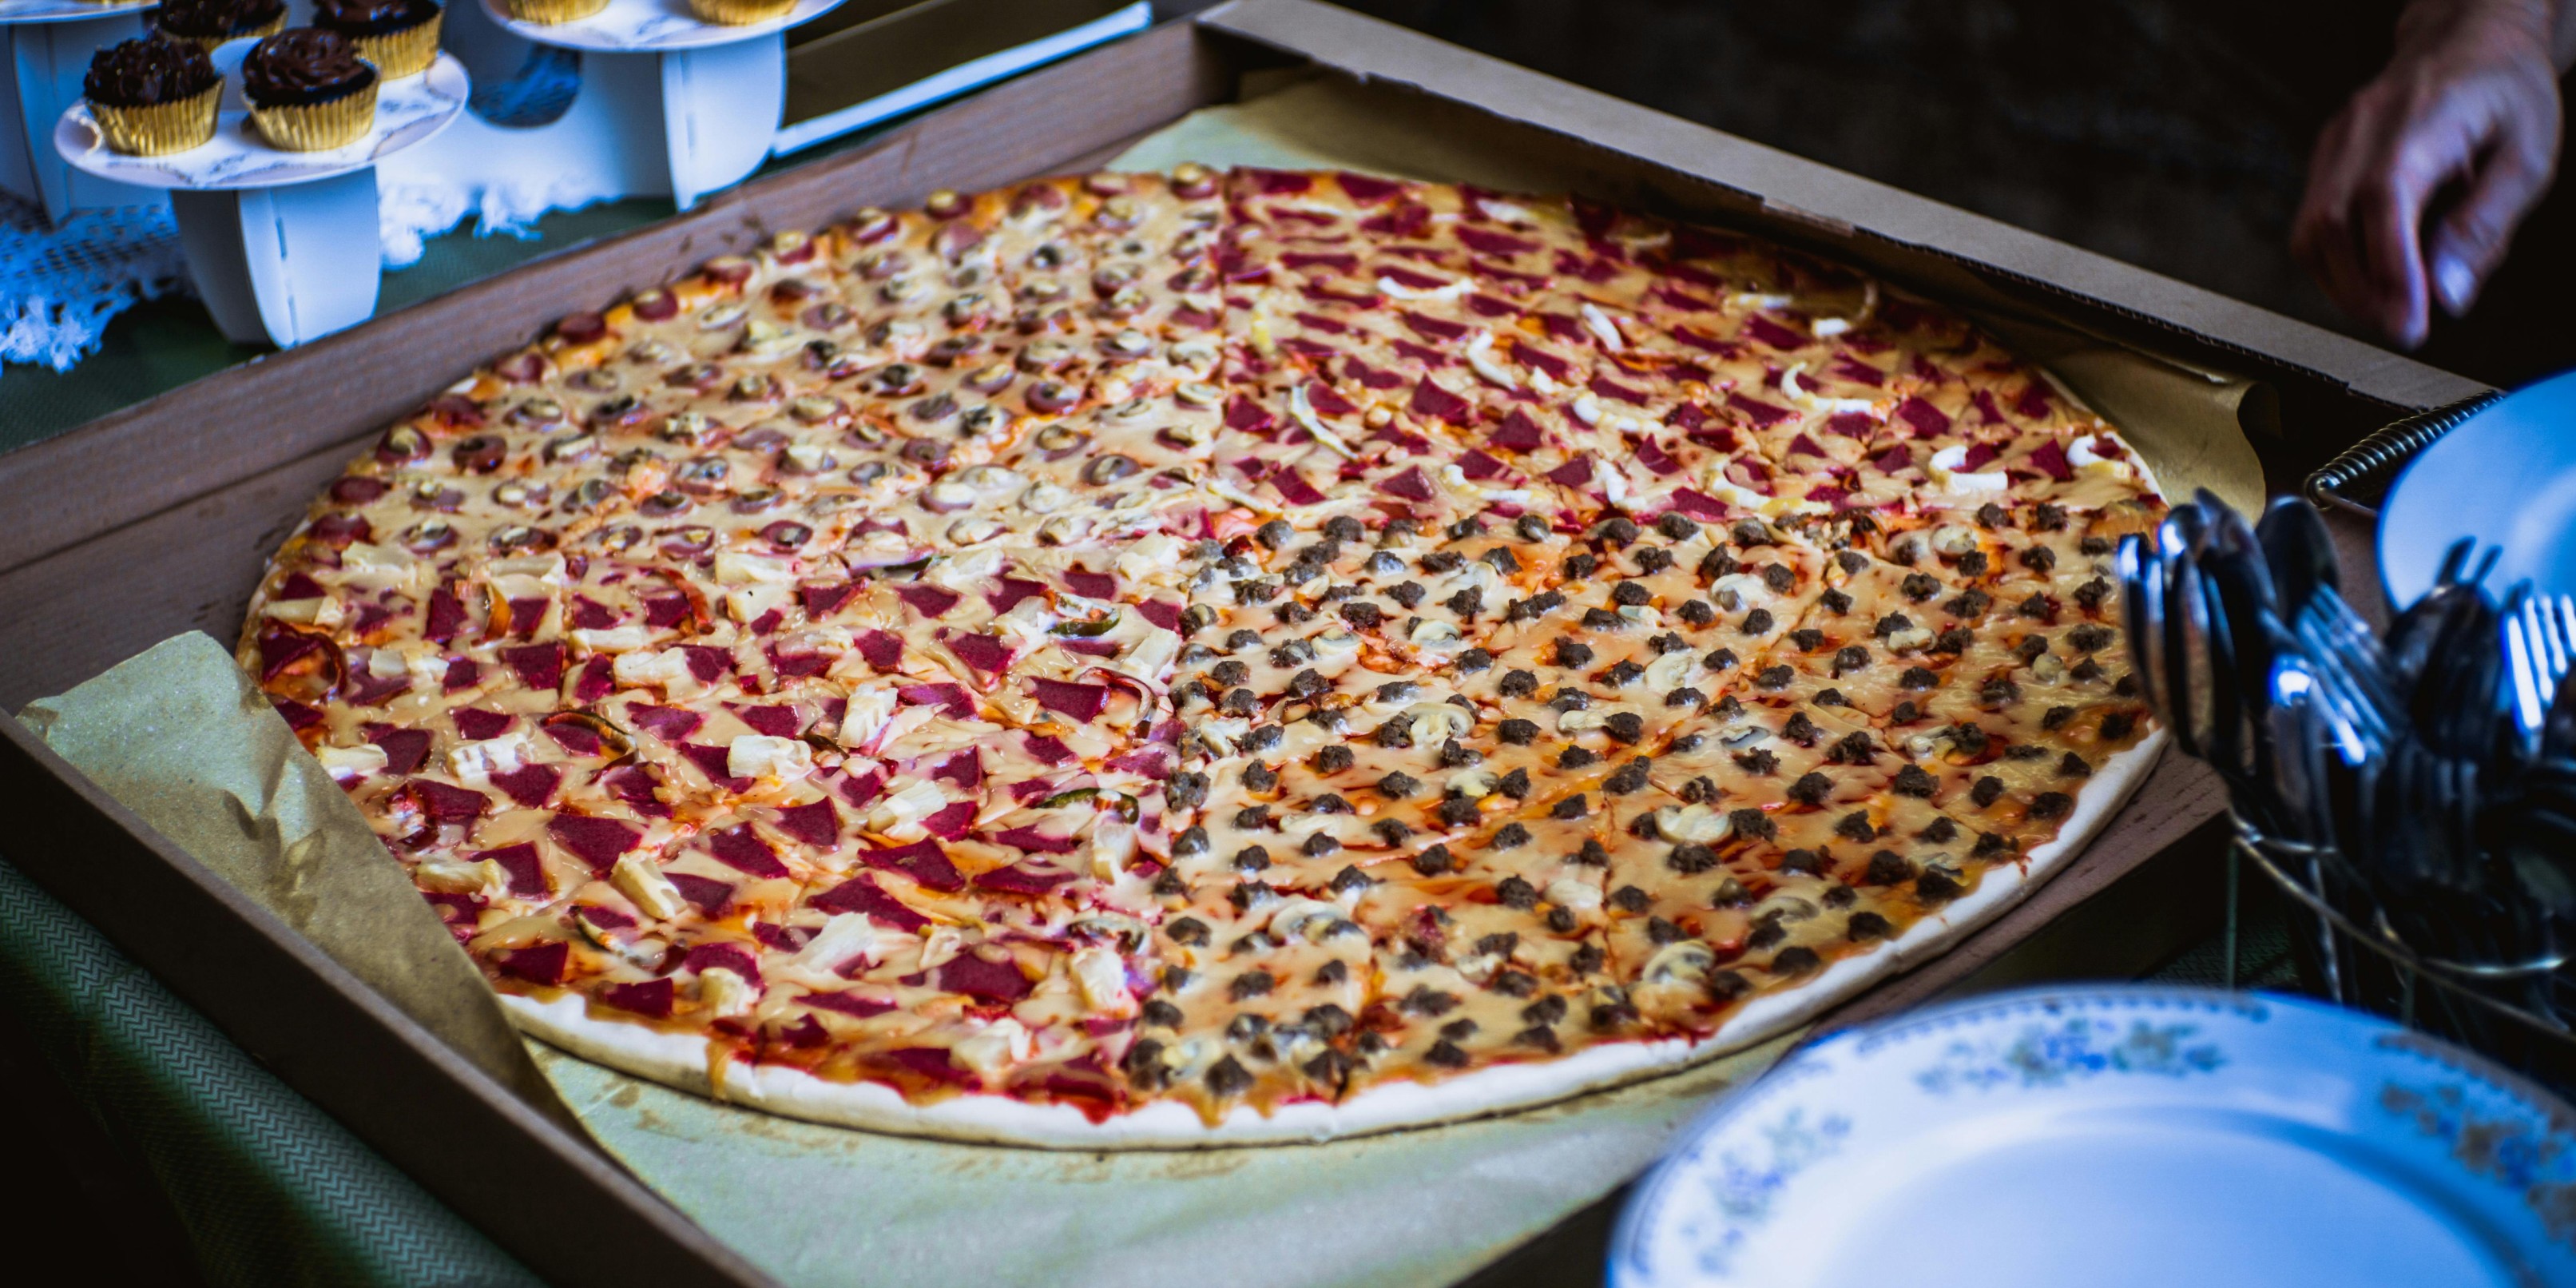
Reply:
x=282, y=246
x=45, y=47
x=669, y=105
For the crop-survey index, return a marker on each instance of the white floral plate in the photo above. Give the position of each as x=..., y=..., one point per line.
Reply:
x=2111, y=1137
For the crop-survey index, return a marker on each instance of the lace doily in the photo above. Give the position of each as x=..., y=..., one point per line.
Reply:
x=59, y=287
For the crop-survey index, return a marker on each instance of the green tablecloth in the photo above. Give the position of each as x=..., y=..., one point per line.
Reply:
x=269, y=1189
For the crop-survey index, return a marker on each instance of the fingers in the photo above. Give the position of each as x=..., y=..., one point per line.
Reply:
x=2356, y=230
x=2470, y=100
x=2375, y=166
x=2391, y=247
x=2468, y=243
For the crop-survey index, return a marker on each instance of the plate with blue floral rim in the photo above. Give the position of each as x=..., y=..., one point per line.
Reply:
x=2117, y=1136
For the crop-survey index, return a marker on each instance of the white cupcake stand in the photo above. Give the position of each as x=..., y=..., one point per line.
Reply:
x=45, y=47
x=285, y=247
x=282, y=246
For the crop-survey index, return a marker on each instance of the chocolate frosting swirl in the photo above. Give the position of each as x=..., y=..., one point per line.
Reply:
x=372, y=17
x=304, y=65
x=141, y=73
x=206, y=18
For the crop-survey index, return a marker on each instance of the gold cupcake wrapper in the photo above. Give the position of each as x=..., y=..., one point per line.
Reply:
x=408, y=52
x=212, y=43
x=551, y=12
x=741, y=13
x=318, y=127
x=162, y=128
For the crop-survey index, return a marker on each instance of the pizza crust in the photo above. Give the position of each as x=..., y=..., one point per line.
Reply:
x=679, y=1061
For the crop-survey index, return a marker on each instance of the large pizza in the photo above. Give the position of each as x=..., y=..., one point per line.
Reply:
x=1131, y=659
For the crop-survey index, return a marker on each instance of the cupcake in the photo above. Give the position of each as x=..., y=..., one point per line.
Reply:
x=551, y=12
x=741, y=13
x=208, y=23
x=309, y=90
x=399, y=36
x=153, y=97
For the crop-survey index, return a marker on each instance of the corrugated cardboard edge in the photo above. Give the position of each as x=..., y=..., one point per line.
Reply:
x=1831, y=200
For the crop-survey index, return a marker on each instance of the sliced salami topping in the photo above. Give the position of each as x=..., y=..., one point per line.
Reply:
x=950, y=822
x=982, y=652
x=526, y=871
x=929, y=601
x=538, y=666
x=949, y=698
x=816, y=824
x=529, y=785
x=543, y=964
x=862, y=895
x=776, y=722
x=1034, y=841
x=406, y=750
x=738, y=848
x=1433, y=401
x=479, y=724
x=923, y=861
x=670, y=724
x=599, y=842
x=448, y=803
x=651, y=999
x=881, y=649
x=822, y=601
x=708, y=895
x=985, y=981
x=855, y=1004
x=723, y=956
x=715, y=762
x=1082, y=702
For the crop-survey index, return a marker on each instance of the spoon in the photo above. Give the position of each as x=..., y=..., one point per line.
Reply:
x=2300, y=551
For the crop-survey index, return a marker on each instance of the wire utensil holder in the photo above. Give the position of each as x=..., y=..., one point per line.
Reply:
x=2359, y=475
x=2346, y=950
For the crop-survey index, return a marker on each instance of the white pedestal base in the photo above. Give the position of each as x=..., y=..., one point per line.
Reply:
x=284, y=265
x=41, y=66
x=677, y=123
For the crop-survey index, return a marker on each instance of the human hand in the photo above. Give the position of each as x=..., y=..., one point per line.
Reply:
x=2470, y=106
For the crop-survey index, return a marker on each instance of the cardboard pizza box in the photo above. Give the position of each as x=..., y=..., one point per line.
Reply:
x=158, y=519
